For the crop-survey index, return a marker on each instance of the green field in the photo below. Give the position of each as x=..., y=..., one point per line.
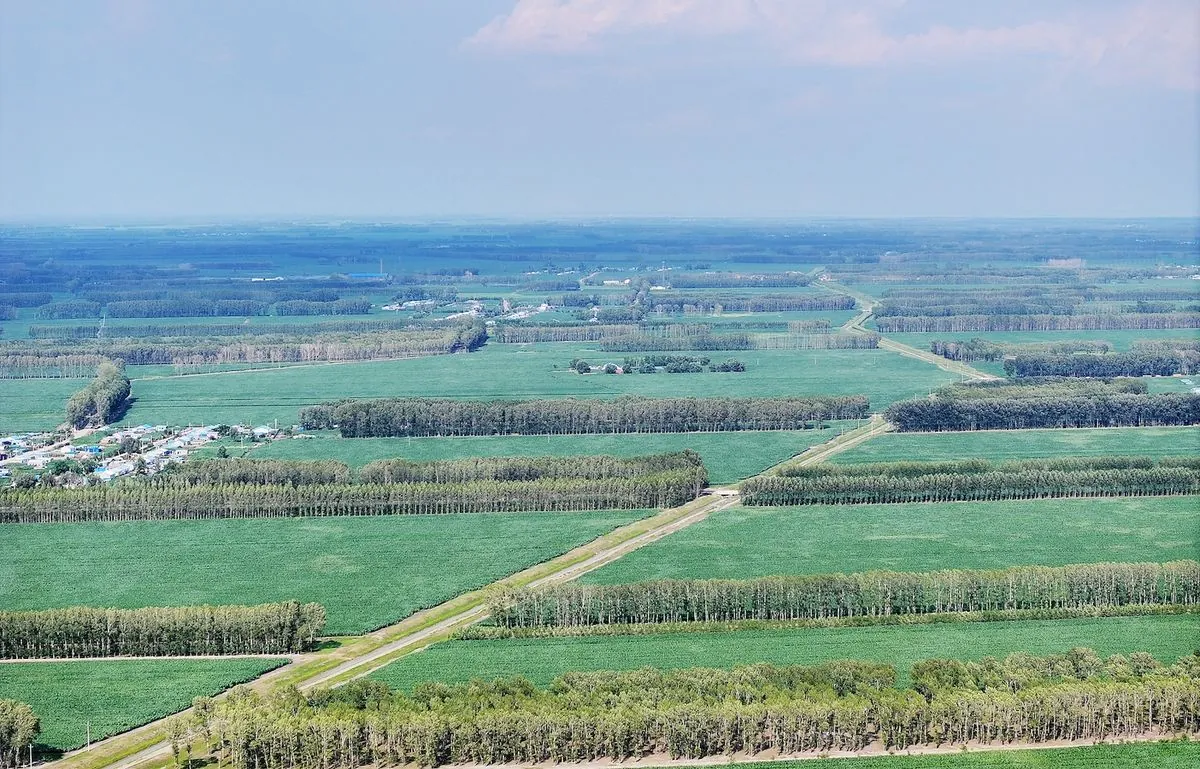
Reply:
x=521, y=371
x=999, y=445
x=728, y=456
x=367, y=571
x=542, y=659
x=27, y=405
x=750, y=542
x=114, y=696
x=1144, y=755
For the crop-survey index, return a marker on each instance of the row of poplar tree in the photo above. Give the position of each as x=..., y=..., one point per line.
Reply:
x=103, y=400
x=697, y=713
x=1001, y=413
x=124, y=502
x=1097, y=322
x=400, y=417
x=885, y=482
x=1162, y=363
x=864, y=594
x=81, y=631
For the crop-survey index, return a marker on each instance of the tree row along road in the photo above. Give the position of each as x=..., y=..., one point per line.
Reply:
x=857, y=325
x=361, y=655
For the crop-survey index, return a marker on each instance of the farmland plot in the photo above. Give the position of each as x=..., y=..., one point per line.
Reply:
x=753, y=542
x=117, y=695
x=367, y=572
x=35, y=404
x=541, y=659
x=523, y=371
x=999, y=445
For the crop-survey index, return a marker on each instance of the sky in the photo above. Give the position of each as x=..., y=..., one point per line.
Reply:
x=121, y=110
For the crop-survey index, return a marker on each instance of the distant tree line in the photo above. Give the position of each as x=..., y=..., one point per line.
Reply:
x=104, y=400
x=69, y=309
x=48, y=366
x=699, y=712
x=1131, y=364
x=700, y=303
x=282, y=472
x=82, y=631
x=402, y=417
x=982, y=349
x=304, y=345
x=864, y=594
x=956, y=323
x=26, y=298
x=937, y=414
x=185, y=307
x=1042, y=387
x=679, y=364
x=360, y=306
x=891, y=482
x=118, y=331
x=506, y=333
x=985, y=306
x=653, y=342
x=599, y=467
x=738, y=280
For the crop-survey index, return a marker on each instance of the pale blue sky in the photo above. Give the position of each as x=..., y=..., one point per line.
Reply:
x=121, y=109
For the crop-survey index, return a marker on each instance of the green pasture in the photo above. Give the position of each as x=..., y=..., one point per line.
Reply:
x=367, y=572
x=729, y=456
x=542, y=659
x=745, y=542
x=27, y=405
x=997, y=445
x=117, y=695
x=522, y=371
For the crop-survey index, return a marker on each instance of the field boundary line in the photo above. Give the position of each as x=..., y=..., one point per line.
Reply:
x=364, y=654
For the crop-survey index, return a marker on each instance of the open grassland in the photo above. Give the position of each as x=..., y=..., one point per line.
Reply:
x=542, y=659
x=523, y=371
x=729, y=456
x=1121, y=339
x=367, y=572
x=35, y=404
x=743, y=542
x=999, y=445
x=116, y=695
x=1144, y=755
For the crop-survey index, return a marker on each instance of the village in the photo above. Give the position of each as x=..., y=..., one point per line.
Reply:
x=86, y=457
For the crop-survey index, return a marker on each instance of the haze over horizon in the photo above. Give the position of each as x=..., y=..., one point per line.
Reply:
x=130, y=110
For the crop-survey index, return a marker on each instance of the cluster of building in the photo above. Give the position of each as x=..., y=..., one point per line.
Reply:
x=147, y=448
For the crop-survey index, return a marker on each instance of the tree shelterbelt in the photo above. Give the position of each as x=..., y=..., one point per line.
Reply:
x=698, y=712
x=1108, y=365
x=402, y=417
x=19, y=727
x=982, y=349
x=865, y=594
x=954, y=323
x=103, y=400
x=532, y=468
x=886, y=482
x=938, y=414
x=82, y=631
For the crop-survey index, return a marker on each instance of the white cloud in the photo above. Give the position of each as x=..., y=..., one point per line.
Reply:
x=1148, y=41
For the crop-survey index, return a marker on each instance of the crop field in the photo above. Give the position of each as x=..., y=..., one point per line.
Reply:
x=729, y=456
x=117, y=695
x=998, y=445
x=367, y=571
x=35, y=404
x=739, y=543
x=1159, y=755
x=542, y=659
x=522, y=371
